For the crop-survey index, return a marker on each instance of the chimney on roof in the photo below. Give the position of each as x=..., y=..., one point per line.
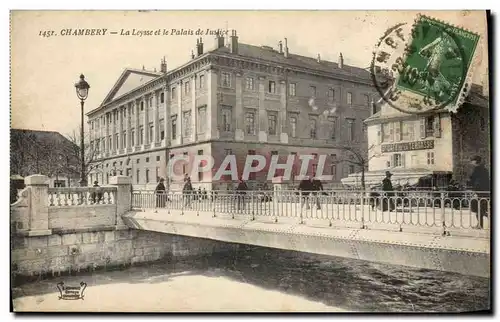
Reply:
x=199, y=46
x=192, y=54
x=319, y=59
x=286, y=48
x=341, y=61
x=143, y=68
x=219, y=40
x=234, y=42
x=163, y=65
x=280, y=46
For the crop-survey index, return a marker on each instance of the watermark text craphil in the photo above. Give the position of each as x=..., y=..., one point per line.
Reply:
x=290, y=168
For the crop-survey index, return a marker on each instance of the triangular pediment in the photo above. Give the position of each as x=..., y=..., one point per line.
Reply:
x=129, y=80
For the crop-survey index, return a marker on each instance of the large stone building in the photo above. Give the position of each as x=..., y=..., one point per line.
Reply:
x=437, y=144
x=235, y=99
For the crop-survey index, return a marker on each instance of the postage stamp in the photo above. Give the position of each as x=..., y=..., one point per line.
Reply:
x=430, y=66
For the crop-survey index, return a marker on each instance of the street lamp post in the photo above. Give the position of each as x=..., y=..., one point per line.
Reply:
x=82, y=91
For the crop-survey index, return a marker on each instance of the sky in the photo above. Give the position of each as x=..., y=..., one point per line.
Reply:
x=45, y=69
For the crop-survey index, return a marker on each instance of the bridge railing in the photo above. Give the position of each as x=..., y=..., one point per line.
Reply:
x=447, y=209
x=80, y=196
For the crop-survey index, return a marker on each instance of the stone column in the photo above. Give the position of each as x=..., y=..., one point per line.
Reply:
x=282, y=117
x=212, y=104
x=39, y=205
x=262, y=118
x=121, y=144
x=179, y=112
x=137, y=121
x=146, y=120
x=194, y=112
x=123, y=198
x=128, y=121
x=166, y=118
x=156, y=130
x=238, y=109
x=106, y=140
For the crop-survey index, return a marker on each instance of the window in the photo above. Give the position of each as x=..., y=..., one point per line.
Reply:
x=387, y=132
x=312, y=90
x=414, y=160
x=124, y=139
x=312, y=128
x=162, y=129
x=226, y=79
x=272, y=119
x=482, y=124
x=333, y=170
x=132, y=137
x=151, y=132
x=187, y=87
x=137, y=174
x=147, y=175
x=184, y=166
x=293, y=126
x=200, y=173
x=398, y=130
x=333, y=127
x=202, y=119
x=249, y=85
x=202, y=81
x=397, y=160
x=137, y=161
x=274, y=152
x=173, y=93
x=349, y=98
x=430, y=158
x=331, y=95
x=141, y=135
x=292, y=89
x=427, y=126
x=351, y=169
x=174, y=127
x=227, y=118
x=110, y=142
x=142, y=106
x=186, y=123
x=351, y=131
x=162, y=98
x=147, y=159
x=250, y=122
x=157, y=170
x=157, y=158
x=117, y=141
x=272, y=87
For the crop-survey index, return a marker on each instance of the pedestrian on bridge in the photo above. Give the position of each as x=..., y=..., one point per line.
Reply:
x=479, y=181
x=187, y=191
x=241, y=191
x=160, y=194
x=388, y=201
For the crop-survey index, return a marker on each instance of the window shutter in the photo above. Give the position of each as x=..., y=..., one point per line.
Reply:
x=391, y=132
x=398, y=130
x=403, y=160
x=437, y=126
x=422, y=128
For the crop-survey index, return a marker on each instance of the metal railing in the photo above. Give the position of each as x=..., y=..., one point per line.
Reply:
x=453, y=209
x=79, y=196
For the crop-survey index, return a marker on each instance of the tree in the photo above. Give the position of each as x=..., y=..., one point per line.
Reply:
x=72, y=158
x=360, y=159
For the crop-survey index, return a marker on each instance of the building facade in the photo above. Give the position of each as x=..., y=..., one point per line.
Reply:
x=438, y=143
x=236, y=99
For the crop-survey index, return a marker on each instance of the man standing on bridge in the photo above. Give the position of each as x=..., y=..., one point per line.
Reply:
x=187, y=191
x=241, y=191
x=480, y=182
x=387, y=202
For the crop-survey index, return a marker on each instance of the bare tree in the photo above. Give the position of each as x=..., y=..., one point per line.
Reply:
x=359, y=158
x=72, y=158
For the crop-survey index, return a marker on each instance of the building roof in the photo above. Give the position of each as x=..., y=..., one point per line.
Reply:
x=269, y=54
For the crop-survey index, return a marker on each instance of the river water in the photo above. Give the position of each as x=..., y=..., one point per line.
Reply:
x=262, y=279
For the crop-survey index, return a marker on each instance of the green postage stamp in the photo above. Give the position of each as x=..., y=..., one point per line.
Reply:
x=434, y=69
